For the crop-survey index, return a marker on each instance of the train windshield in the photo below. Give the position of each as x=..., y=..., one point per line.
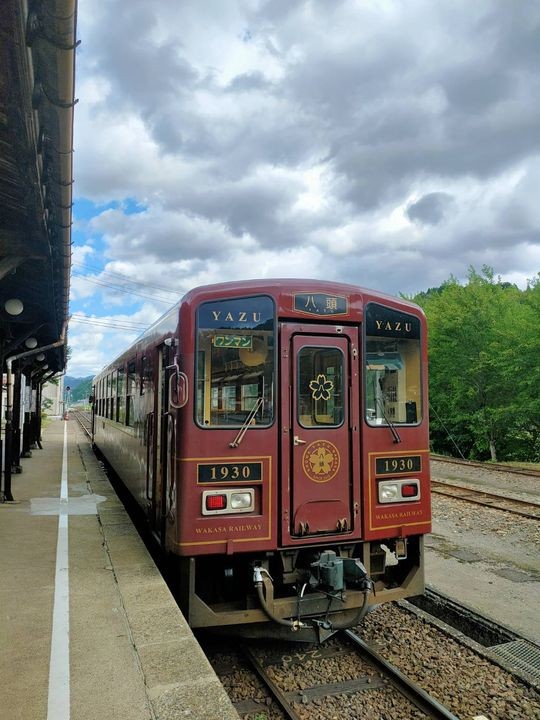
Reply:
x=235, y=362
x=393, y=387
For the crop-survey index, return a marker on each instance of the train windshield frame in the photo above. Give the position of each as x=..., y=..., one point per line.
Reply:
x=393, y=367
x=236, y=362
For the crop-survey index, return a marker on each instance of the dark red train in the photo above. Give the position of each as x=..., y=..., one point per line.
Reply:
x=276, y=434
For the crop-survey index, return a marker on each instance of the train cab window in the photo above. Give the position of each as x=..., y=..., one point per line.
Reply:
x=393, y=379
x=235, y=362
x=320, y=388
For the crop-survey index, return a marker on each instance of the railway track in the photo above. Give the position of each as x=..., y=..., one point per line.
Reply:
x=525, y=508
x=474, y=666
x=309, y=682
x=335, y=680
x=84, y=419
x=496, y=467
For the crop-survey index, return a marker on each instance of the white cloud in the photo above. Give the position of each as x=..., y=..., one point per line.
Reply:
x=377, y=143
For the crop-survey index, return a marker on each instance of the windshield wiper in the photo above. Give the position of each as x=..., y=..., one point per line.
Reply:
x=247, y=422
x=390, y=424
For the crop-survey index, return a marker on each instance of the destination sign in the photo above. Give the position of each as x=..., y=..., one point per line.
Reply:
x=321, y=304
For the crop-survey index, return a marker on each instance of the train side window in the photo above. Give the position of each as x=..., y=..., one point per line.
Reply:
x=108, y=401
x=99, y=404
x=130, y=393
x=235, y=362
x=121, y=395
x=146, y=374
x=249, y=394
x=393, y=374
x=114, y=384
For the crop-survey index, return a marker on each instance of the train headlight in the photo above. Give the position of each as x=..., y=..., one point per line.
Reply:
x=228, y=501
x=241, y=500
x=393, y=491
x=388, y=492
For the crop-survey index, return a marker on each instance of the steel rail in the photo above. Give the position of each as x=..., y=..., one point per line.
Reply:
x=413, y=692
x=275, y=691
x=487, y=499
x=389, y=674
x=79, y=417
x=497, y=467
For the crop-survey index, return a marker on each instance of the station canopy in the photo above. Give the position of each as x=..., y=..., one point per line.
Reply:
x=37, y=62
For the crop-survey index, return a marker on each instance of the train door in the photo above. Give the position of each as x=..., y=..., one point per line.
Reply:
x=162, y=432
x=323, y=452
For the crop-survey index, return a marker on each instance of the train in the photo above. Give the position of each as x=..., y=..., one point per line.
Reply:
x=275, y=434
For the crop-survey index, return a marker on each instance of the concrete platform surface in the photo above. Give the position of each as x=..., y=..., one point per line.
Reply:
x=88, y=628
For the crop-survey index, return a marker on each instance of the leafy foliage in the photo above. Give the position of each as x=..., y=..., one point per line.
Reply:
x=81, y=388
x=484, y=345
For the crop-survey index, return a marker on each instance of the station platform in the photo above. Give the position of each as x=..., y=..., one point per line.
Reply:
x=88, y=627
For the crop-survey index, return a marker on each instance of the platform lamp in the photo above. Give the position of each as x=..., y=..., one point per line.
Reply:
x=31, y=343
x=14, y=306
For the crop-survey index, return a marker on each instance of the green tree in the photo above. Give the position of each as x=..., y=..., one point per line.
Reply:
x=522, y=368
x=483, y=337
x=83, y=390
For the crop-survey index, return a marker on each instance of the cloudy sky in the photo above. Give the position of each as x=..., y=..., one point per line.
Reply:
x=383, y=143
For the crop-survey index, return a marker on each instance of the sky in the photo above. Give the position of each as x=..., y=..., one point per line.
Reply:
x=375, y=142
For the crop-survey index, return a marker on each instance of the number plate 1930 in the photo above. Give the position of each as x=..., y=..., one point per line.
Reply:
x=229, y=472
x=403, y=464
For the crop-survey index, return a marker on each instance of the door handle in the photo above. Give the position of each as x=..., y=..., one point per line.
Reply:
x=297, y=441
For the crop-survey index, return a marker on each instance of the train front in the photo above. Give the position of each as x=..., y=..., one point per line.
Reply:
x=302, y=474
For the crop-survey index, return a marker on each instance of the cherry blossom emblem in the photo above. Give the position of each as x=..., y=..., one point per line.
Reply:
x=320, y=461
x=321, y=388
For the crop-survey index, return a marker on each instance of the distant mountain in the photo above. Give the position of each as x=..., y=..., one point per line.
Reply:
x=83, y=391
x=74, y=382
x=81, y=388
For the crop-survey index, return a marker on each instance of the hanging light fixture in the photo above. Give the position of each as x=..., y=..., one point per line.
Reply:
x=30, y=343
x=40, y=357
x=14, y=306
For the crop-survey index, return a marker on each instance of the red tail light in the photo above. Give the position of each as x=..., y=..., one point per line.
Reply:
x=409, y=490
x=216, y=502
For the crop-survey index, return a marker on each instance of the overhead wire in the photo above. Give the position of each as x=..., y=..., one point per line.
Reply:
x=115, y=324
x=134, y=323
x=122, y=276
x=119, y=324
x=117, y=288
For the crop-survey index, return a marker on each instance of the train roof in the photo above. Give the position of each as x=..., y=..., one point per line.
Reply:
x=283, y=289
x=278, y=286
